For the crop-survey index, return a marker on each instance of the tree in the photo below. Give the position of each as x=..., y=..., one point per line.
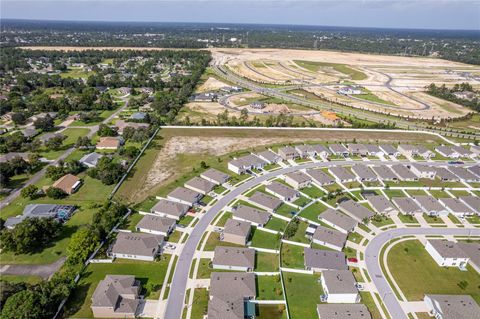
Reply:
x=105, y=130
x=25, y=304
x=82, y=244
x=19, y=118
x=107, y=171
x=55, y=193
x=131, y=151
x=203, y=165
x=83, y=142
x=44, y=123
x=55, y=142
x=29, y=191
x=8, y=289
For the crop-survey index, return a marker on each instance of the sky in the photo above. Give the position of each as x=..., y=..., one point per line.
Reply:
x=423, y=14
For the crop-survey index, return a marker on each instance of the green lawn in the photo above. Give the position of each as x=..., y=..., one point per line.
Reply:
x=302, y=201
x=407, y=219
x=369, y=96
x=437, y=193
x=219, y=189
x=312, y=211
x=367, y=300
x=292, y=256
x=355, y=237
x=303, y=294
x=263, y=239
x=200, y=303
x=300, y=234
x=222, y=220
x=394, y=193
x=380, y=221
x=269, y=288
x=276, y=224
x=214, y=241
x=266, y=262
x=186, y=220
x=432, y=219
x=175, y=236
x=342, y=68
x=270, y=312
x=313, y=191
x=418, y=274
x=75, y=73
x=149, y=273
x=204, y=269
x=286, y=210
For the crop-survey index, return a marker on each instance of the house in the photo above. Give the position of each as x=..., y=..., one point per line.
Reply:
x=341, y=174
x=385, y=173
x=116, y=296
x=475, y=149
x=233, y=258
x=473, y=252
x=90, y=160
x=464, y=175
x=215, y=176
x=319, y=177
x=330, y=238
x=298, y=180
x=59, y=212
x=157, y=225
x=447, y=151
x=245, y=163
x=230, y=295
x=357, y=149
x=319, y=260
x=68, y=183
x=48, y=136
x=445, y=175
x=138, y=116
x=463, y=152
x=446, y=253
x=236, y=232
x=404, y=173
x=305, y=150
x=381, y=204
x=456, y=207
x=355, y=210
x=288, y=153
x=349, y=90
x=184, y=196
x=364, y=173
x=430, y=205
x=29, y=132
x=389, y=150
x=339, y=286
x=423, y=171
x=257, y=218
x=474, y=170
x=138, y=246
x=424, y=152
x=12, y=155
x=121, y=125
x=200, y=185
x=269, y=157
x=337, y=220
x=408, y=150
x=373, y=150
x=339, y=150
x=452, y=306
x=343, y=311
x=170, y=209
x=267, y=202
x=407, y=205
x=321, y=150
x=282, y=191
x=472, y=202
x=109, y=143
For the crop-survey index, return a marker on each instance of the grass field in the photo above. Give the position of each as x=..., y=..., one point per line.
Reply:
x=303, y=294
x=312, y=191
x=200, y=303
x=149, y=273
x=342, y=68
x=271, y=312
x=262, y=239
x=369, y=96
x=269, y=288
x=292, y=256
x=418, y=274
x=266, y=262
x=312, y=211
x=276, y=224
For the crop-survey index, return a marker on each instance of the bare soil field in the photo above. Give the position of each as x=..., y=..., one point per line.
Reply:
x=211, y=84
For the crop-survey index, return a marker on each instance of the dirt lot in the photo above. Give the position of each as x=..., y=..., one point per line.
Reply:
x=212, y=84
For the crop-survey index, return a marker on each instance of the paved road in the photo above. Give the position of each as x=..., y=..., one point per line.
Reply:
x=372, y=260
x=175, y=301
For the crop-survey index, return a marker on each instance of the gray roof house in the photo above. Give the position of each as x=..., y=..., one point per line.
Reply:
x=338, y=220
x=184, y=196
x=445, y=175
x=298, y=179
x=389, y=150
x=59, y=212
x=339, y=286
x=373, y=150
x=452, y=306
x=233, y=258
x=404, y=173
x=242, y=164
x=267, y=202
x=464, y=174
x=319, y=260
x=472, y=201
x=116, y=296
x=306, y=150
x=215, y=176
x=447, y=151
x=321, y=150
x=473, y=252
x=357, y=149
x=91, y=160
x=139, y=246
x=339, y=149
x=456, y=206
x=385, y=173
x=170, y=209
x=269, y=157
x=381, y=204
x=355, y=210
x=200, y=185
x=330, y=238
x=236, y=232
x=341, y=174
x=430, y=205
x=364, y=173
x=48, y=136
x=463, y=152
x=343, y=311
x=475, y=169
x=407, y=205
x=423, y=171
x=157, y=225
x=282, y=191
x=320, y=177
x=10, y=156
x=249, y=214
x=288, y=153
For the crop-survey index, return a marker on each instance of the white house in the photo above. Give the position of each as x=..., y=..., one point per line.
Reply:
x=339, y=286
x=447, y=253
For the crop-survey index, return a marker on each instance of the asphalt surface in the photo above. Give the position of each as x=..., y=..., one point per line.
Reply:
x=372, y=260
x=176, y=298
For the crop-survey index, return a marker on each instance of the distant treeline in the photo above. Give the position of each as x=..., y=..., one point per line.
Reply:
x=446, y=93
x=462, y=46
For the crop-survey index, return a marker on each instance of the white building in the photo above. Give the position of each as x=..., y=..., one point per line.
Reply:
x=339, y=286
x=447, y=253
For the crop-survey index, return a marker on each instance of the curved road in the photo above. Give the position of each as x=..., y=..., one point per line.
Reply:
x=175, y=301
x=372, y=260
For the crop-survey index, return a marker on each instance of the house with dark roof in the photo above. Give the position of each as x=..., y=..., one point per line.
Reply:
x=91, y=160
x=138, y=246
x=170, y=209
x=320, y=178
x=200, y=185
x=233, y=258
x=330, y=238
x=269, y=157
x=339, y=286
x=236, y=232
x=341, y=174
x=319, y=260
x=338, y=220
x=355, y=210
x=298, y=179
x=267, y=202
x=288, y=153
x=447, y=253
x=343, y=311
x=282, y=191
x=215, y=176
x=452, y=306
x=256, y=217
x=184, y=196
x=157, y=225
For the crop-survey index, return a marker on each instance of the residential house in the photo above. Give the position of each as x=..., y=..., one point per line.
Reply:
x=157, y=225
x=463, y=152
x=446, y=253
x=424, y=152
x=404, y=173
x=215, y=176
x=245, y=163
x=364, y=173
x=257, y=218
x=452, y=306
x=423, y=171
x=430, y=205
x=456, y=207
x=109, y=143
x=338, y=220
x=473, y=202
x=306, y=150
x=68, y=183
x=447, y=151
x=320, y=178
x=236, y=232
x=91, y=160
x=269, y=157
x=339, y=150
x=48, y=136
x=343, y=311
x=407, y=205
x=267, y=202
x=474, y=170
x=298, y=179
x=59, y=212
x=341, y=174
x=319, y=260
x=233, y=258
x=138, y=246
x=381, y=204
x=355, y=210
x=170, y=209
x=373, y=150
x=321, y=150
x=385, y=173
x=116, y=296
x=357, y=149
x=282, y=191
x=12, y=155
x=184, y=196
x=475, y=149
x=473, y=252
x=464, y=175
x=408, y=150
x=288, y=153
x=389, y=150
x=121, y=125
x=200, y=185
x=339, y=286
x=330, y=238
x=445, y=175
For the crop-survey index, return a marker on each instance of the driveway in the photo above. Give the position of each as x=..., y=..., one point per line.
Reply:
x=43, y=271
